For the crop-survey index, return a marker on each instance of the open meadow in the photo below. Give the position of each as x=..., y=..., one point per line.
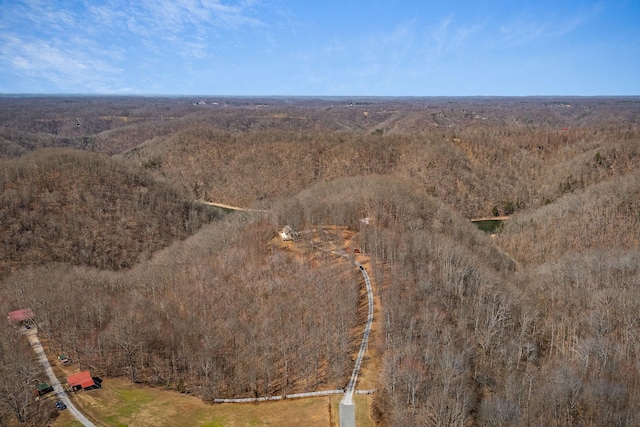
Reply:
x=120, y=403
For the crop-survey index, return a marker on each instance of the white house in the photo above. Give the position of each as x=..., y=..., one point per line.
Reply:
x=288, y=233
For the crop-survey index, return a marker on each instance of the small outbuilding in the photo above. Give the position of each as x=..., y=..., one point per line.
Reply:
x=43, y=388
x=288, y=233
x=19, y=317
x=81, y=380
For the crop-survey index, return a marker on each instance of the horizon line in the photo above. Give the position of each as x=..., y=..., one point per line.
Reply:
x=133, y=95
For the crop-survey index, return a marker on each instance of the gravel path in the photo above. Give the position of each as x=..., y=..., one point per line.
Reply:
x=57, y=387
x=348, y=393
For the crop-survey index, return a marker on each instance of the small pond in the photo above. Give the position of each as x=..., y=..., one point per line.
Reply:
x=489, y=226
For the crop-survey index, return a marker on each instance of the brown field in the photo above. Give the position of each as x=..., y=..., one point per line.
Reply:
x=120, y=403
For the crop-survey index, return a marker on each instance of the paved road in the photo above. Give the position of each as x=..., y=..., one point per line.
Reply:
x=348, y=393
x=57, y=387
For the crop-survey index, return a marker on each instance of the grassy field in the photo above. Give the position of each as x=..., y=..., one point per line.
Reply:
x=120, y=403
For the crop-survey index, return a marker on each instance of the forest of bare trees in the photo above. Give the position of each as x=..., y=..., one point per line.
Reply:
x=101, y=236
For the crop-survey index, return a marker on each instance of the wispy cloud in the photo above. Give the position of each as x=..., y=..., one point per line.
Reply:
x=46, y=16
x=527, y=28
x=448, y=36
x=580, y=18
x=83, y=43
x=376, y=52
x=164, y=19
x=443, y=41
x=366, y=59
x=438, y=35
x=521, y=31
x=69, y=69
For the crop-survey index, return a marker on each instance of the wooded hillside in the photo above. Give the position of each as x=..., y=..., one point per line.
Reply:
x=535, y=325
x=82, y=208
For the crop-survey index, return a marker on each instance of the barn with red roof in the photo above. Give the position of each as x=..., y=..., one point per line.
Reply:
x=81, y=380
x=19, y=316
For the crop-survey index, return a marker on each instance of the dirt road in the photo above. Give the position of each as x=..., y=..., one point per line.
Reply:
x=57, y=387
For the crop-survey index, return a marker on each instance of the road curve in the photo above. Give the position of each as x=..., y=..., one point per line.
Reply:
x=57, y=387
x=348, y=393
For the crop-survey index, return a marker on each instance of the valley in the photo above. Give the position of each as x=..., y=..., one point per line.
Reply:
x=124, y=236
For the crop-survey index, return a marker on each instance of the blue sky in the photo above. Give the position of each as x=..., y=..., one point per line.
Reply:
x=322, y=48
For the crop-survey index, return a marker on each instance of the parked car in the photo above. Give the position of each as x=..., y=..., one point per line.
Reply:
x=60, y=406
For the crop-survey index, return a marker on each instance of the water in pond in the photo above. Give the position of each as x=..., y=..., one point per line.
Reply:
x=489, y=226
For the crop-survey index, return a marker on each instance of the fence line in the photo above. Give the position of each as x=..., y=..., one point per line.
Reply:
x=286, y=396
x=289, y=396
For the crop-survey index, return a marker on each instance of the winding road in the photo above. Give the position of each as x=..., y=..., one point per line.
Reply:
x=57, y=387
x=348, y=393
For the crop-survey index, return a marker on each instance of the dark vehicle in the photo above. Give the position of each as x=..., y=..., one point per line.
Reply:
x=60, y=406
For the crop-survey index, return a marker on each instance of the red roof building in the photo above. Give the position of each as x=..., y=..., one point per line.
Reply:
x=81, y=379
x=20, y=315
